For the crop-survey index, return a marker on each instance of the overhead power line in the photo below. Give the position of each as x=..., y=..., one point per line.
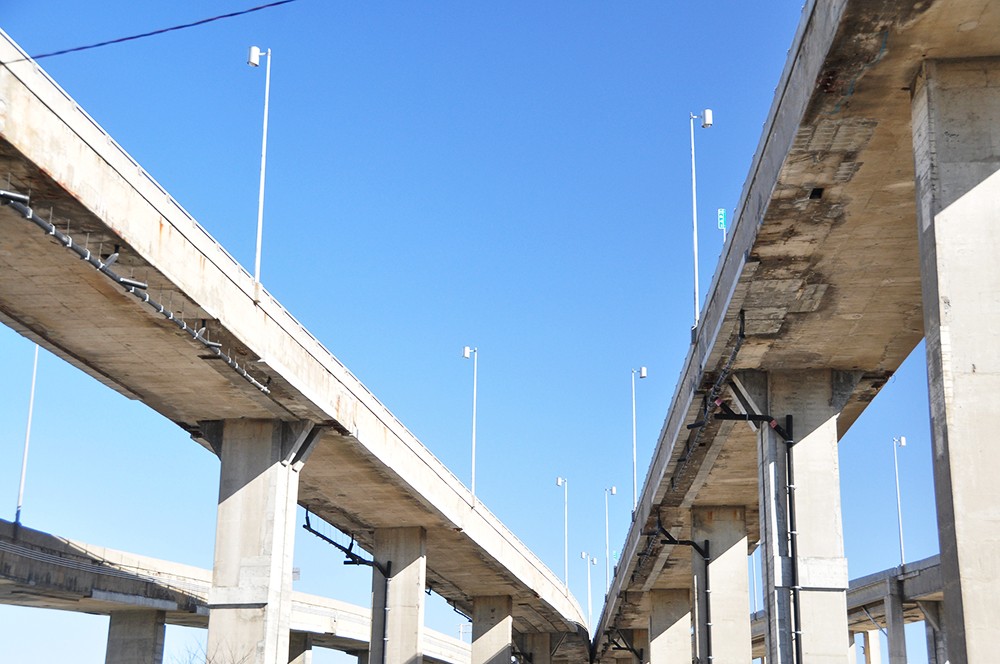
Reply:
x=157, y=32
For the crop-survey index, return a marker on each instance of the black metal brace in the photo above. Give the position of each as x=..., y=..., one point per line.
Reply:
x=670, y=539
x=628, y=647
x=352, y=558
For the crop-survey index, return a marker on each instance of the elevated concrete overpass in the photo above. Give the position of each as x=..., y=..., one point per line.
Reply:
x=158, y=311
x=44, y=571
x=868, y=221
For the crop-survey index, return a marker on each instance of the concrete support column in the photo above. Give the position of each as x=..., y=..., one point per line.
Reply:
x=539, y=647
x=492, y=629
x=363, y=656
x=872, y=644
x=398, y=602
x=806, y=572
x=937, y=645
x=852, y=648
x=300, y=648
x=135, y=637
x=725, y=579
x=250, y=600
x=895, y=624
x=670, y=627
x=640, y=641
x=955, y=116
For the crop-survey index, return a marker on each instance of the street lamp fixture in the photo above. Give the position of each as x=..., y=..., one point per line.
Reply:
x=706, y=122
x=899, y=441
x=253, y=59
x=635, y=487
x=564, y=483
x=590, y=605
x=473, y=352
x=607, y=540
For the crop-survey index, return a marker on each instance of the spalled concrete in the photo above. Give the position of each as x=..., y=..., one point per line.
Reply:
x=824, y=272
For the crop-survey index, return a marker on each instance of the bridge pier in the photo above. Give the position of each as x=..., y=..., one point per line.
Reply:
x=538, y=646
x=640, y=642
x=492, y=629
x=670, y=626
x=894, y=623
x=250, y=601
x=398, y=601
x=135, y=637
x=300, y=648
x=804, y=569
x=724, y=531
x=955, y=115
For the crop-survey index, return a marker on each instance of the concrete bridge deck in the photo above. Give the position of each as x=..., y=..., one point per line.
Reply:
x=823, y=281
x=201, y=344
x=45, y=571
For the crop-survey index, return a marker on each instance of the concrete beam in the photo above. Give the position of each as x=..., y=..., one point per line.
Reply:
x=492, y=629
x=955, y=115
x=398, y=599
x=135, y=637
x=250, y=602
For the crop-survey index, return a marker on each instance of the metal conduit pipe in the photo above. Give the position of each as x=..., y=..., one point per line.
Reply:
x=793, y=537
x=136, y=288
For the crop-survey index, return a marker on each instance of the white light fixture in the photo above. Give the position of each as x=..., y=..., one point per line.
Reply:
x=635, y=487
x=706, y=122
x=253, y=59
x=468, y=352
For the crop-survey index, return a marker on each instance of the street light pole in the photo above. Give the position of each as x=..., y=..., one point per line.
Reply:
x=635, y=486
x=899, y=441
x=27, y=440
x=607, y=541
x=706, y=122
x=254, y=61
x=590, y=604
x=474, y=352
x=564, y=483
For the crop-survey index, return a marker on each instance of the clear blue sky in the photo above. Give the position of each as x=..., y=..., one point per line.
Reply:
x=514, y=176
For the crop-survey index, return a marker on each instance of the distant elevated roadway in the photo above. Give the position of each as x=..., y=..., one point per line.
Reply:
x=44, y=571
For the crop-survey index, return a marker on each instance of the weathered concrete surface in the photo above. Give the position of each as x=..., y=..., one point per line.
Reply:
x=492, y=636
x=724, y=529
x=956, y=139
x=821, y=271
x=44, y=571
x=670, y=627
x=135, y=637
x=365, y=472
x=398, y=598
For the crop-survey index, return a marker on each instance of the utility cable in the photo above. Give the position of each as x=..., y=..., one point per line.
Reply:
x=154, y=32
